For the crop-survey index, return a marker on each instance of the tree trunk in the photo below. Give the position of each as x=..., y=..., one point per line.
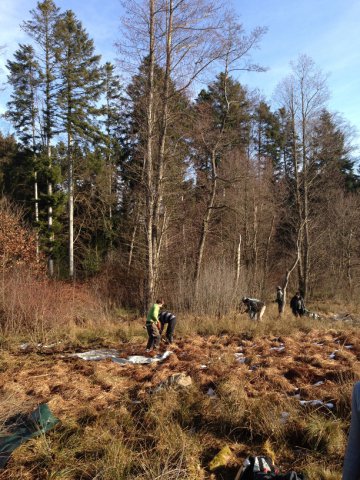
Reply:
x=299, y=203
x=158, y=225
x=36, y=193
x=71, y=207
x=48, y=135
x=288, y=272
x=36, y=197
x=266, y=258
x=348, y=264
x=206, y=222
x=149, y=292
x=50, y=220
x=306, y=237
x=132, y=243
x=238, y=264
x=254, y=244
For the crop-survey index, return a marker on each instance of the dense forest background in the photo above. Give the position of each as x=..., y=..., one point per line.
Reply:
x=179, y=181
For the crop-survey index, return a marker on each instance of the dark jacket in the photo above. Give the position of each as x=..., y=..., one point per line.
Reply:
x=166, y=317
x=253, y=305
x=297, y=305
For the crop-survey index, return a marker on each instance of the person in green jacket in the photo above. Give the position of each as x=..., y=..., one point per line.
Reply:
x=152, y=326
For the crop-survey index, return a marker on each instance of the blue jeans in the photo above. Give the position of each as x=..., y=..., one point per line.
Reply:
x=351, y=470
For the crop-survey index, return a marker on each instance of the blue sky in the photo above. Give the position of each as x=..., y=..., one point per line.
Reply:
x=326, y=30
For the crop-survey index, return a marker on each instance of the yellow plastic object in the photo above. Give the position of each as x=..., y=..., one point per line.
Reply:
x=221, y=459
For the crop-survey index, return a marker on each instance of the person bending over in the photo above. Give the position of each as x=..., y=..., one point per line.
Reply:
x=254, y=308
x=169, y=319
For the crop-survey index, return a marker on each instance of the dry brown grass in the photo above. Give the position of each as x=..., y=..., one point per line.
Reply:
x=115, y=426
x=41, y=309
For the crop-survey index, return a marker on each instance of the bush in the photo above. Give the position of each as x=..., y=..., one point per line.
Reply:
x=17, y=243
x=42, y=308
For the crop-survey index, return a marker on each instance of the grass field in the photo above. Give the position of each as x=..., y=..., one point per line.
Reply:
x=247, y=384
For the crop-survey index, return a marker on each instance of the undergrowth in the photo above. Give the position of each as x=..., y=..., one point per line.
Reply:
x=116, y=425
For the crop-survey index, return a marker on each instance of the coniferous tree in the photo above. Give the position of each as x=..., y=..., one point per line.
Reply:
x=331, y=152
x=112, y=131
x=221, y=126
x=23, y=111
x=41, y=29
x=79, y=89
x=267, y=137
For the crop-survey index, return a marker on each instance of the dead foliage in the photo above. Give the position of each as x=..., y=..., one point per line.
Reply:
x=40, y=308
x=17, y=243
x=115, y=423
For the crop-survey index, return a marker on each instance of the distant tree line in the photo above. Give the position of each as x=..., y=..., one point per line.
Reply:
x=152, y=189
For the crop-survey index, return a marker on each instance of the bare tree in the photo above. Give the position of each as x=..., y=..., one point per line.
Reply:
x=236, y=47
x=303, y=94
x=182, y=37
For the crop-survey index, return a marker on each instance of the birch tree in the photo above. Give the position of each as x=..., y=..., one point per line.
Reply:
x=235, y=56
x=180, y=37
x=303, y=94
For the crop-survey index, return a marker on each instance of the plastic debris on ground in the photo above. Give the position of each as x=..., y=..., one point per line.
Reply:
x=95, y=355
x=345, y=317
x=240, y=357
x=278, y=349
x=211, y=392
x=316, y=403
x=141, y=360
x=30, y=346
x=332, y=355
x=317, y=384
x=175, y=380
x=21, y=427
x=221, y=459
x=284, y=417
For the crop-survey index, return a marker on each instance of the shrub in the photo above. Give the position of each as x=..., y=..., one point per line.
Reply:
x=42, y=308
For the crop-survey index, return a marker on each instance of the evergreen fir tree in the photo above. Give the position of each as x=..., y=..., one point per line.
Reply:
x=79, y=89
x=41, y=29
x=24, y=77
x=112, y=124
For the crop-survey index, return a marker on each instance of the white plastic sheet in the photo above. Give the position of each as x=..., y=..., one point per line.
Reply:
x=316, y=403
x=240, y=357
x=96, y=354
x=278, y=349
x=102, y=354
x=284, y=417
x=141, y=360
x=211, y=392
